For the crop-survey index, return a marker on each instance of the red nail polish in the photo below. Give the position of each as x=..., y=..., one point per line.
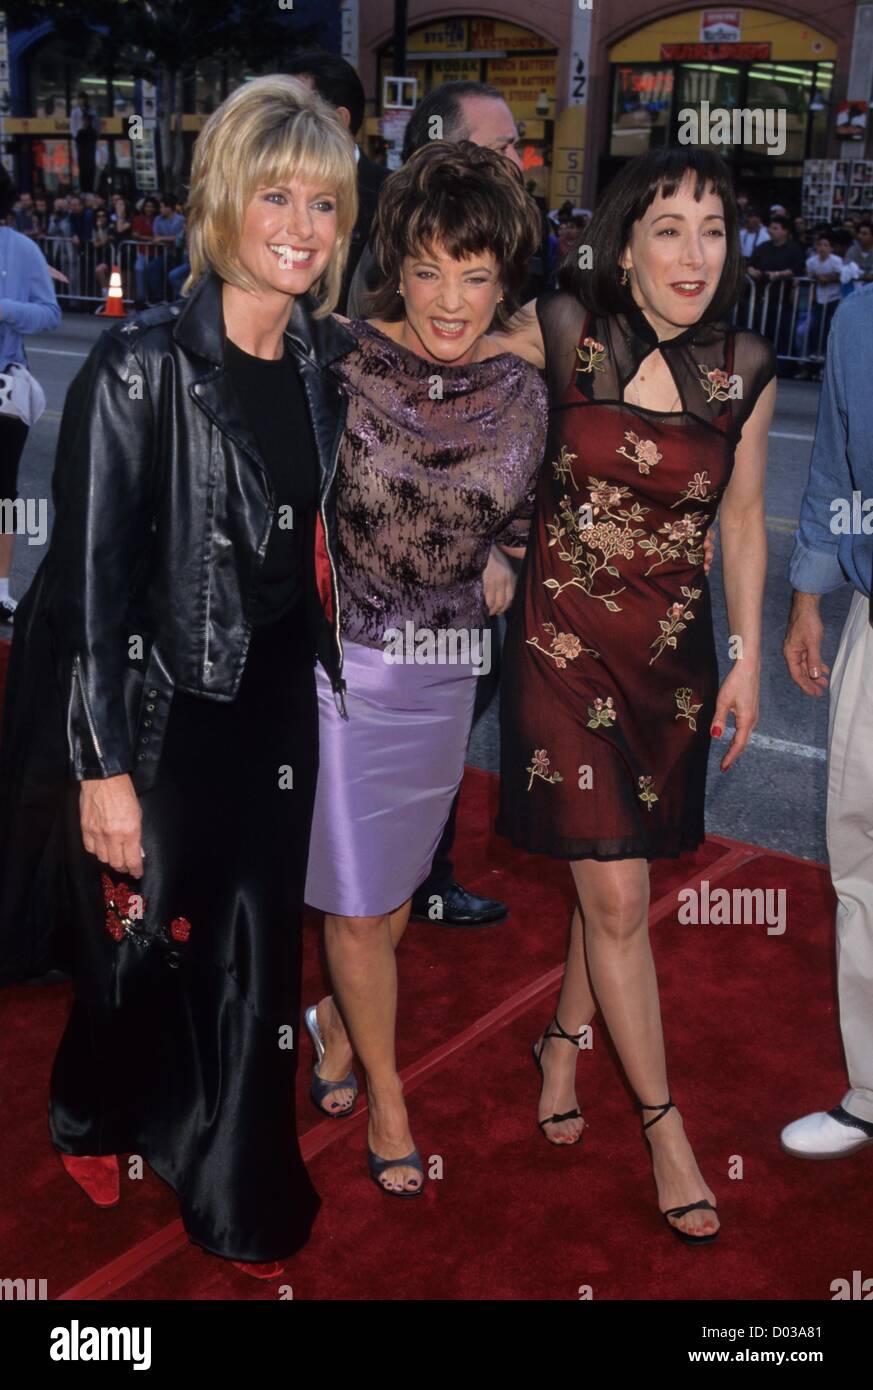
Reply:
x=716, y=731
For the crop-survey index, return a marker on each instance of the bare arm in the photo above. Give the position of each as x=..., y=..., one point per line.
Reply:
x=744, y=547
x=523, y=337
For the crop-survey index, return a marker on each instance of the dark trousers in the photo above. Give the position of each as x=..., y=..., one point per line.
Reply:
x=441, y=875
x=13, y=435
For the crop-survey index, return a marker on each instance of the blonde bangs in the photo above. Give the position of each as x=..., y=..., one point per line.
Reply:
x=271, y=130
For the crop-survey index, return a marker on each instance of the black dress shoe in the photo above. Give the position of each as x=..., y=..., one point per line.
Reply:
x=460, y=908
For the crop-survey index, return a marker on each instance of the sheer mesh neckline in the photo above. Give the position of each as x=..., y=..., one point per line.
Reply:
x=639, y=325
x=590, y=359
x=415, y=364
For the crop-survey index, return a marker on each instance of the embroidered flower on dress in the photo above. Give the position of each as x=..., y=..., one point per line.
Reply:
x=682, y=537
x=563, y=466
x=606, y=495
x=602, y=714
x=125, y=911
x=646, y=792
x=614, y=533
x=540, y=768
x=677, y=619
x=646, y=452
x=123, y=907
x=592, y=356
x=683, y=697
x=696, y=489
x=715, y=384
x=564, y=646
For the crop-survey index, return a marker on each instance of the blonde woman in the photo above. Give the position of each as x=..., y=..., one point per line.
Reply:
x=189, y=585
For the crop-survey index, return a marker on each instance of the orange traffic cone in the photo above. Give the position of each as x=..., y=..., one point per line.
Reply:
x=114, y=306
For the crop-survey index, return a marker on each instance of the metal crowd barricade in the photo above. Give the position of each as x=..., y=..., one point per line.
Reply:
x=142, y=276
x=785, y=312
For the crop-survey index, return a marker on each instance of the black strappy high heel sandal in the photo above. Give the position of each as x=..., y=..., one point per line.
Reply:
x=702, y=1205
x=537, y=1056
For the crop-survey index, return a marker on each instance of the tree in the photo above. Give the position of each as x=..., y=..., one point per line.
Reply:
x=163, y=40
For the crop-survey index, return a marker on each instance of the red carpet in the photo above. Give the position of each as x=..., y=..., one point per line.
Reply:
x=752, y=1043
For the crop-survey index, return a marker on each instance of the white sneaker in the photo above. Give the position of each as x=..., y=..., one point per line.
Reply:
x=827, y=1134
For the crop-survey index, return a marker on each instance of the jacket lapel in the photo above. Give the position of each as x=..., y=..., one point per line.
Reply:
x=315, y=343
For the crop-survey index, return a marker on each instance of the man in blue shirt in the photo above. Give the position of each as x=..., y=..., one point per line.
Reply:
x=27, y=305
x=834, y=546
x=168, y=231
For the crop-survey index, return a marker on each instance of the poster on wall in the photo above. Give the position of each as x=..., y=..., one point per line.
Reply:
x=720, y=26
x=852, y=120
x=833, y=188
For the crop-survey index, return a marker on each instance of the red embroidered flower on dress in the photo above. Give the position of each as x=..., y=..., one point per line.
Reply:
x=124, y=913
x=180, y=928
x=122, y=906
x=122, y=898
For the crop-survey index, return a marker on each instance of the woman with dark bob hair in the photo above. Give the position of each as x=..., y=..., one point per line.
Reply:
x=660, y=412
x=443, y=442
x=161, y=726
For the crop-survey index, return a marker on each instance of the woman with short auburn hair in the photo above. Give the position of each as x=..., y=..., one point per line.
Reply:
x=443, y=442
x=416, y=208
x=163, y=669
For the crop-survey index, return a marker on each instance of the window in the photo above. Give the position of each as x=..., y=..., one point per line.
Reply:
x=642, y=95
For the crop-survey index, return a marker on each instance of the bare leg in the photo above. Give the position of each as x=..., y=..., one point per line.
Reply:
x=6, y=542
x=614, y=898
x=338, y=1054
x=363, y=968
x=576, y=1007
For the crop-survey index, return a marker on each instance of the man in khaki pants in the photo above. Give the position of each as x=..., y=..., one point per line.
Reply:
x=834, y=546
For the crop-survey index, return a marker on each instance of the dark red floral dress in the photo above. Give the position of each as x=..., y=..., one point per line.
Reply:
x=610, y=673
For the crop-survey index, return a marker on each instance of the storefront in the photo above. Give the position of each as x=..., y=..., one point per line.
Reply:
x=517, y=61
x=704, y=61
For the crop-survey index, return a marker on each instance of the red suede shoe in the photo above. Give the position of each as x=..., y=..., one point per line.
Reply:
x=269, y=1269
x=98, y=1177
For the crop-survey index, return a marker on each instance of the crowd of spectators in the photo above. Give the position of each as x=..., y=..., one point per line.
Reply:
x=83, y=235
x=828, y=262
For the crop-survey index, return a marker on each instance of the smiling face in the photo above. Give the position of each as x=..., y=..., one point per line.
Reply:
x=675, y=257
x=288, y=237
x=449, y=303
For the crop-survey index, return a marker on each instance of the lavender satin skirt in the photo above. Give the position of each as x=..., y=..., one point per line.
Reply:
x=387, y=778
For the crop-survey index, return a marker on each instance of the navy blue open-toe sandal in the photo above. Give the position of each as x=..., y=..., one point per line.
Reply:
x=378, y=1166
x=321, y=1089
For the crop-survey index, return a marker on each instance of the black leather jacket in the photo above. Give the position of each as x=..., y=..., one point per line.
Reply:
x=163, y=513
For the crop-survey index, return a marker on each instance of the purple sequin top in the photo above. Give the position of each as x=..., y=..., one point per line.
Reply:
x=436, y=463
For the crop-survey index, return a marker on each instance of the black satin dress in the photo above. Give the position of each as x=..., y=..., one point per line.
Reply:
x=182, y=1043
